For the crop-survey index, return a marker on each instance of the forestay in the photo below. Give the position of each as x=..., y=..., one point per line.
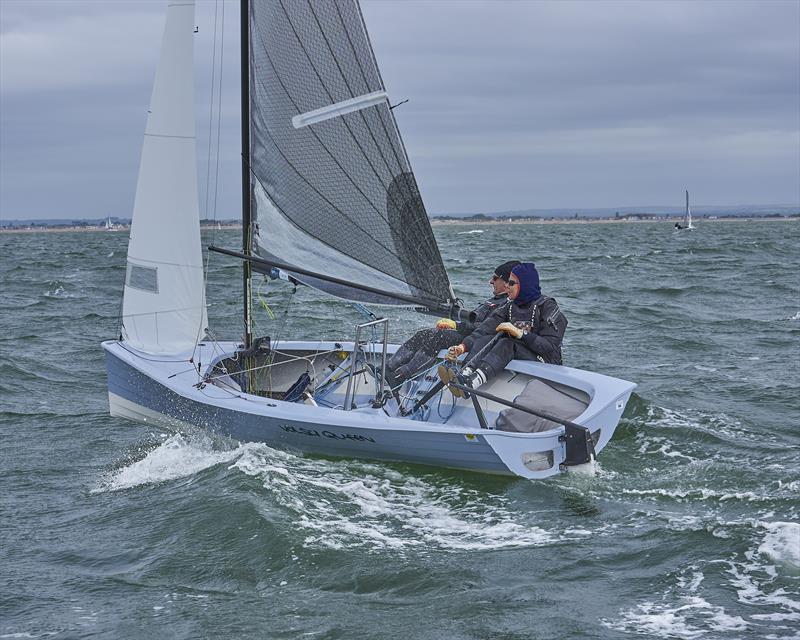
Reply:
x=332, y=190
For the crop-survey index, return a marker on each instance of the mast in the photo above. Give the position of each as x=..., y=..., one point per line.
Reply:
x=246, y=213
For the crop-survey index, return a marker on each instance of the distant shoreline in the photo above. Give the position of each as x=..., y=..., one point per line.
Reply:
x=443, y=223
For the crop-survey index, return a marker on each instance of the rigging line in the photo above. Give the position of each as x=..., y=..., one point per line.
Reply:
x=219, y=106
x=211, y=105
x=332, y=99
x=200, y=329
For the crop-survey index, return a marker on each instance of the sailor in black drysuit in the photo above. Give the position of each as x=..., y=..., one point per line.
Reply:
x=532, y=324
x=419, y=351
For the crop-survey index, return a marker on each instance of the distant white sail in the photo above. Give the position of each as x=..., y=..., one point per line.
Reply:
x=163, y=308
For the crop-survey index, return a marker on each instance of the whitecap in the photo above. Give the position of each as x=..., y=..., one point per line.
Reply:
x=464, y=233
x=700, y=367
x=781, y=544
x=57, y=292
x=795, y=317
x=691, y=617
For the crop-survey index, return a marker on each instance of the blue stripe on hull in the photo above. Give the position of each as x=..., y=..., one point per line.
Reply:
x=451, y=450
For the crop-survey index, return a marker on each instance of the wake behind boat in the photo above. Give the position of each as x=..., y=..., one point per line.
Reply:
x=329, y=201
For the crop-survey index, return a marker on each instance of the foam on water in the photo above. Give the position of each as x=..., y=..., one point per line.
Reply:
x=782, y=543
x=692, y=617
x=346, y=505
x=471, y=232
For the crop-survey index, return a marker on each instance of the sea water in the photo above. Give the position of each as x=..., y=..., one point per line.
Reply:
x=690, y=528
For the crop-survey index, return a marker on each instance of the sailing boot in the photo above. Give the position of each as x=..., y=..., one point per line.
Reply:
x=467, y=378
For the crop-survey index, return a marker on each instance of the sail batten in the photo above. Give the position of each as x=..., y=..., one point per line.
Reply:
x=337, y=193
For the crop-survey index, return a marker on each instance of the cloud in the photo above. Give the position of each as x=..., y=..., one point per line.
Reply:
x=512, y=105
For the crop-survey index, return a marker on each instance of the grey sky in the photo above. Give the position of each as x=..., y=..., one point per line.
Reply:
x=512, y=105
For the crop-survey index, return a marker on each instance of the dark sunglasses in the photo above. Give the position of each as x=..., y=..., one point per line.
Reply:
x=512, y=283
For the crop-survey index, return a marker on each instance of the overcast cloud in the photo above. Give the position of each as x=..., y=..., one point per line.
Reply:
x=512, y=105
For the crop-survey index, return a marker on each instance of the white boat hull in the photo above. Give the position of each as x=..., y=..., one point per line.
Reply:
x=172, y=394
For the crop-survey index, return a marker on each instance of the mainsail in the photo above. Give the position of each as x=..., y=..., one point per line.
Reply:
x=332, y=190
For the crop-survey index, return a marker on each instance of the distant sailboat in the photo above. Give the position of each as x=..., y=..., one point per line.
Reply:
x=687, y=218
x=109, y=225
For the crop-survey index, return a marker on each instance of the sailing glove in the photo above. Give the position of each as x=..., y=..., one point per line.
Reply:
x=446, y=323
x=510, y=329
x=455, y=351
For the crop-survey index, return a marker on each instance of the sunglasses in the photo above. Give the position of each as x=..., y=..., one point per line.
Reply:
x=512, y=283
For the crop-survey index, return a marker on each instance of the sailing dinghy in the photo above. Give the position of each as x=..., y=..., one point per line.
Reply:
x=329, y=201
x=687, y=217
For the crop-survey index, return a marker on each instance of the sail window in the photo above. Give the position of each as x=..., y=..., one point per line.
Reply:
x=144, y=278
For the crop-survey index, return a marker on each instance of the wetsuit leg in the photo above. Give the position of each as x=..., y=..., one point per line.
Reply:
x=423, y=344
x=506, y=350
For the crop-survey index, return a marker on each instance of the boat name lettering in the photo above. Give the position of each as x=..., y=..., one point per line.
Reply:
x=326, y=434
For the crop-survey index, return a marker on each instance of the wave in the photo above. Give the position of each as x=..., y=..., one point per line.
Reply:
x=473, y=231
x=781, y=544
x=706, y=597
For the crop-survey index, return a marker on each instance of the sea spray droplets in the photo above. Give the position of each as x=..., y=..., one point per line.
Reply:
x=172, y=459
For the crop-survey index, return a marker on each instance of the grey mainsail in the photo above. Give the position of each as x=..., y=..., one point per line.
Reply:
x=332, y=189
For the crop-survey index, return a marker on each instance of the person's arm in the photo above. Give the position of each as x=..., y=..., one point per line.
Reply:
x=487, y=327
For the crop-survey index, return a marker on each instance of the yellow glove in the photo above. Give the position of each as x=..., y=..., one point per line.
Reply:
x=510, y=329
x=445, y=323
x=455, y=351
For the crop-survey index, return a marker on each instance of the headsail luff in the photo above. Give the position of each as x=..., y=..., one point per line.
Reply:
x=163, y=309
x=333, y=191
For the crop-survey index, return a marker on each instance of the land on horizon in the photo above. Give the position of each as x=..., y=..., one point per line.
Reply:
x=34, y=226
x=652, y=213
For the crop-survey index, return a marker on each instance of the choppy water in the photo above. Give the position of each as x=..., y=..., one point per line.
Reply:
x=691, y=529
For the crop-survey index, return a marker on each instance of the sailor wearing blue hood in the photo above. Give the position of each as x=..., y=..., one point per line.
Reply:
x=419, y=351
x=532, y=327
